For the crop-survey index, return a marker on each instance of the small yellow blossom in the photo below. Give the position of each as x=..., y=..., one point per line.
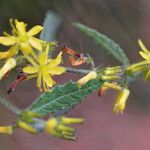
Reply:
x=145, y=53
x=10, y=64
x=6, y=129
x=21, y=39
x=142, y=66
x=120, y=102
x=90, y=76
x=57, y=127
x=44, y=69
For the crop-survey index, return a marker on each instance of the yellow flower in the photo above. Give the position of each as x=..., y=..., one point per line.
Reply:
x=58, y=127
x=44, y=69
x=91, y=75
x=20, y=39
x=6, y=129
x=120, y=102
x=10, y=64
x=145, y=53
x=142, y=66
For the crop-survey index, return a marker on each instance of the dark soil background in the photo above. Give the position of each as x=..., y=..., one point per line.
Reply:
x=122, y=20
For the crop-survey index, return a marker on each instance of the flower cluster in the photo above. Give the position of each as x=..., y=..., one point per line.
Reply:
x=110, y=75
x=23, y=44
x=37, y=63
x=34, y=124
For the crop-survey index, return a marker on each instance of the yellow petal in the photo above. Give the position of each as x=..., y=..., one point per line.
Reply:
x=36, y=43
x=55, y=62
x=7, y=41
x=146, y=62
x=14, y=31
x=26, y=48
x=43, y=58
x=9, y=65
x=143, y=47
x=39, y=81
x=48, y=80
x=10, y=53
x=30, y=69
x=35, y=30
x=147, y=75
x=120, y=102
x=144, y=55
x=4, y=55
x=6, y=129
x=56, y=70
x=20, y=26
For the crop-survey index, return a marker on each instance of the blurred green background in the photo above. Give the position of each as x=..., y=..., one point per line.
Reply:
x=122, y=20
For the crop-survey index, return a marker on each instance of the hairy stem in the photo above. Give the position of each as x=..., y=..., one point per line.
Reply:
x=9, y=106
x=78, y=71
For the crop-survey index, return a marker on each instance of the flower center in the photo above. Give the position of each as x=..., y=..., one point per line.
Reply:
x=23, y=38
x=43, y=68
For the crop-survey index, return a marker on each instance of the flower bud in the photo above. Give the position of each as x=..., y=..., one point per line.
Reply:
x=27, y=127
x=112, y=70
x=10, y=64
x=6, y=129
x=109, y=78
x=67, y=121
x=91, y=75
x=57, y=127
x=120, y=102
x=50, y=125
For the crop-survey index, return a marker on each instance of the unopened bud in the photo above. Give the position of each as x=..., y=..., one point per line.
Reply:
x=6, y=129
x=109, y=78
x=27, y=127
x=91, y=75
x=10, y=64
x=120, y=102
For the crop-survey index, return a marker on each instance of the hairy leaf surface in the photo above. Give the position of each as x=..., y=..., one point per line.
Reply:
x=64, y=97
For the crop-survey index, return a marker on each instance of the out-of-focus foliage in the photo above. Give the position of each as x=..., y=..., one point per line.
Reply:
x=51, y=24
x=108, y=44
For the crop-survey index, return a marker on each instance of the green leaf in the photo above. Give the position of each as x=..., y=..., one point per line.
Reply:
x=108, y=44
x=64, y=97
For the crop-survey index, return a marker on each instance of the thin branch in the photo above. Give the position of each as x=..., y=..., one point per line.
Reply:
x=8, y=105
x=78, y=71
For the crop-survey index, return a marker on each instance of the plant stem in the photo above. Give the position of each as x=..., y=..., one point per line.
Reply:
x=8, y=105
x=78, y=71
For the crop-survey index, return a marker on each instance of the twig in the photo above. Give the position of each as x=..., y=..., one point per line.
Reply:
x=78, y=71
x=8, y=105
